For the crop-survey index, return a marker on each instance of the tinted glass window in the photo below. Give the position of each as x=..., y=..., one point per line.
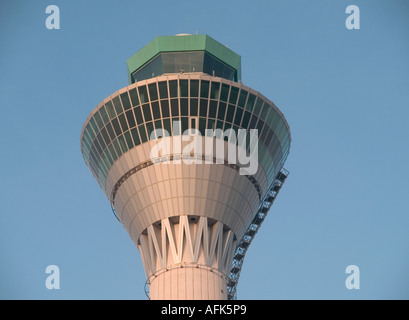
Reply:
x=155, y=110
x=163, y=89
x=193, y=107
x=222, y=111
x=234, y=92
x=125, y=101
x=147, y=112
x=138, y=115
x=143, y=94
x=117, y=104
x=204, y=90
x=184, y=89
x=130, y=118
x=165, y=108
x=212, y=108
x=203, y=107
x=184, y=107
x=153, y=92
x=173, y=88
x=134, y=97
x=225, y=92
x=175, y=107
x=194, y=88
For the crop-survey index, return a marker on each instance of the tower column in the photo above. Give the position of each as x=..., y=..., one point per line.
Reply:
x=188, y=282
x=187, y=257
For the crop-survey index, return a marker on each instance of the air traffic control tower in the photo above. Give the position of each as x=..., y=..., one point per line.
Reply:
x=191, y=211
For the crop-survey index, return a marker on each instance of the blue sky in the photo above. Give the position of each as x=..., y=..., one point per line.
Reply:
x=343, y=92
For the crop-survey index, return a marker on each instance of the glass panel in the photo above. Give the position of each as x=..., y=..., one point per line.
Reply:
x=142, y=133
x=122, y=143
x=211, y=124
x=185, y=123
x=158, y=124
x=125, y=101
x=193, y=107
x=153, y=92
x=112, y=152
x=204, y=90
x=173, y=88
x=152, y=69
x=212, y=109
x=130, y=118
x=163, y=89
x=98, y=120
x=253, y=122
x=274, y=124
x=110, y=161
x=110, y=110
x=104, y=115
x=128, y=139
x=167, y=126
x=194, y=88
x=184, y=89
x=225, y=92
x=184, y=110
x=111, y=132
x=116, y=126
x=175, y=107
x=147, y=112
x=202, y=126
x=123, y=122
x=94, y=125
x=243, y=97
x=117, y=147
x=250, y=102
x=156, y=110
x=101, y=141
x=149, y=131
x=143, y=94
x=135, y=136
x=264, y=111
x=117, y=104
x=263, y=134
x=259, y=105
x=246, y=119
x=222, y=111
x=134, y=97
x=169, y=62
x=237, y=118
x=230, y=113
x=234, y=92
x=214, y=92
x=203, y=107
x=174, y=62
x=270, y=118
x=105, y=136
x=138, y=115
x=165, y=108
x=260, y=125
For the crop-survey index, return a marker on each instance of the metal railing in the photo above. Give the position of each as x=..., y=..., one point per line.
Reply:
x=248, y=237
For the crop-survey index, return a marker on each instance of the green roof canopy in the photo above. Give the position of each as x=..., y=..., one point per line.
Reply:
x=182, y=43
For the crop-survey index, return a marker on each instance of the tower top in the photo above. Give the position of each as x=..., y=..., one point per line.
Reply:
x=183, y=54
